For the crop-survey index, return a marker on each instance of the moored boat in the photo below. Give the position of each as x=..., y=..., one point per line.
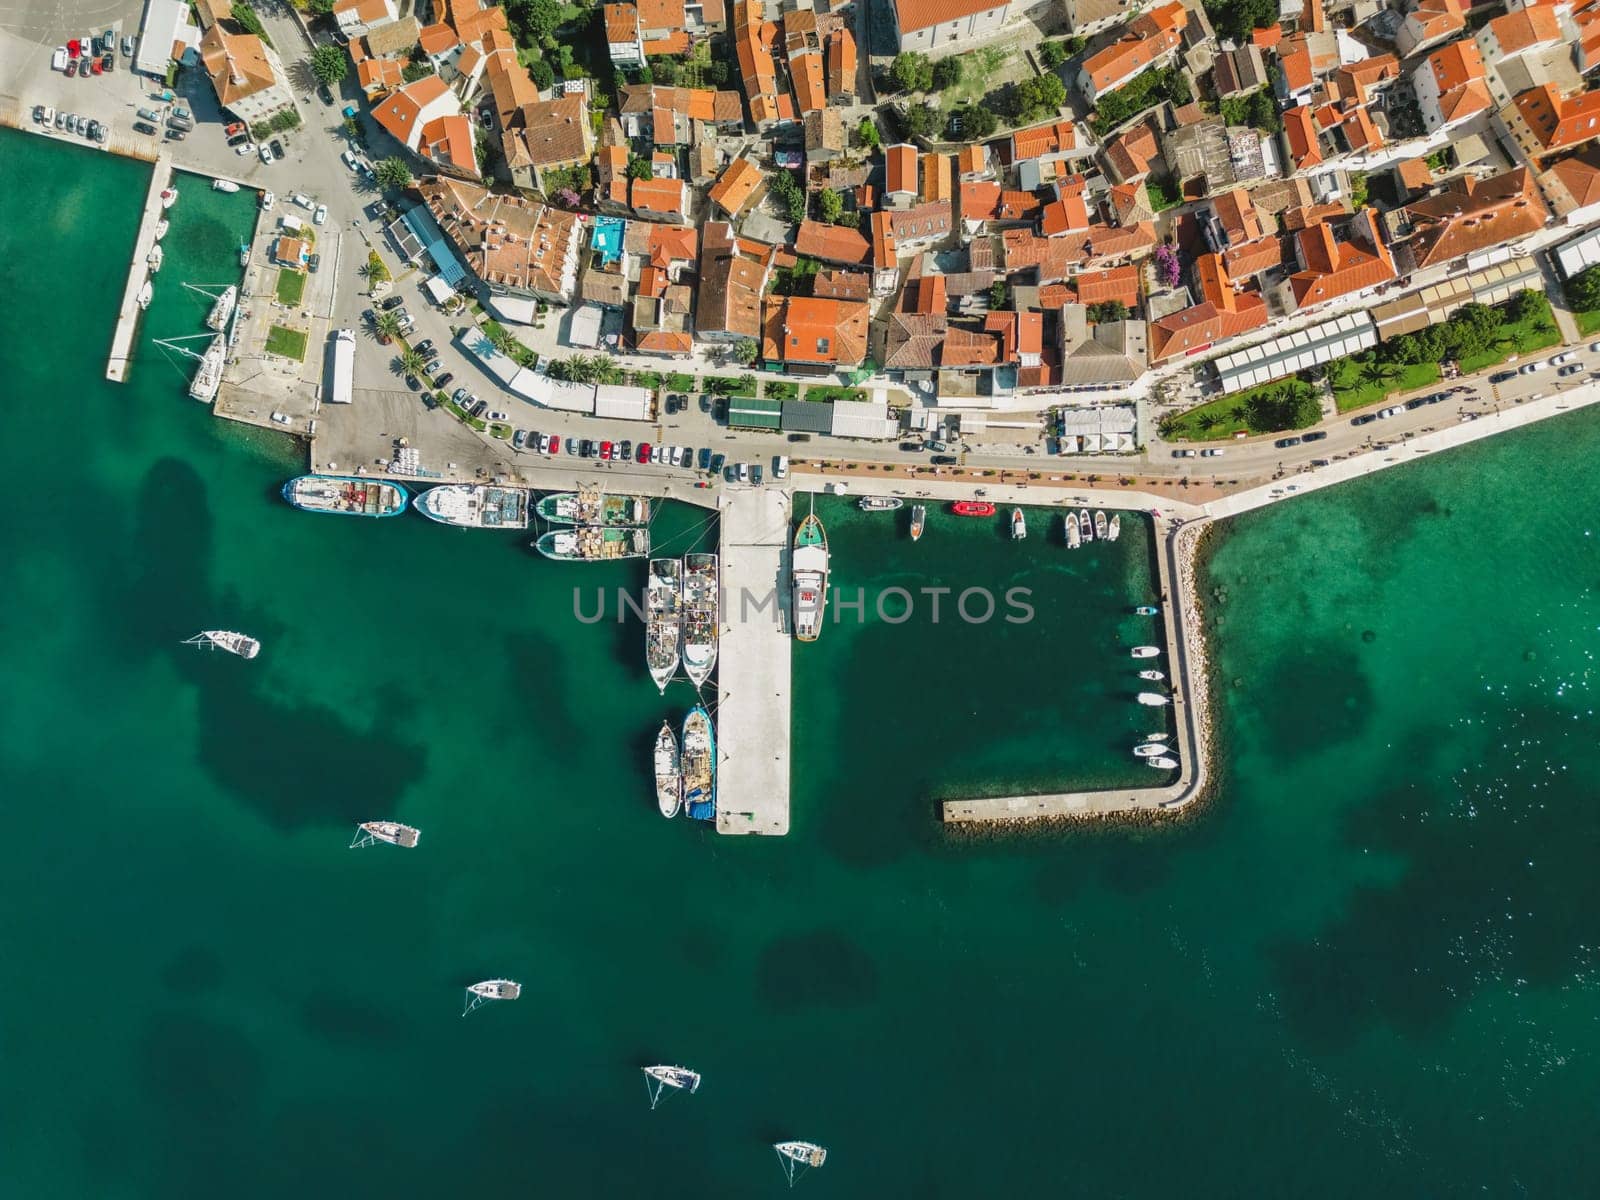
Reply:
x=590, y=506
x=698, y=764
x=1114, y=529
x=491, y=989
x=208, y=375
x=155, y=258
x=669, y=778
x=169, y=197
x=593, y=544
x=392, y=832
x=1151, y=750
x=1074, y=539
x=244, y=254
x=241, y=644
x=1162, y=764
x=1085, y=525
x=346, y=495
x=1154, y=700
x=701, y=615
x=1146, y=610
x=972, y=508
x=224, y=185
x=161, y=228
x=797, y=1157
x=1019, y=525
x=1101, y=528
x=1152, y=676
x=1145, y=651
x=919, y=520
x=223, y=309
x=663, y=618
x=679, y=1079
x=808, y=569
x=1158, y=736
x=146, y=293
x=879, y=503
x=475, y=506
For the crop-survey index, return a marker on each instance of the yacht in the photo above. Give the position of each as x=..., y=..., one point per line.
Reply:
x=1019, y=525
x=798, y=1157
x=879, y=503
x=241, y=644
x=808, y=567
x=919, y=520
x=392, y=832
x=680, y=1079
x=491, y=989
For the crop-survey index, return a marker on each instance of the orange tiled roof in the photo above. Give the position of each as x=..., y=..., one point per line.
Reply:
x=1268, y=38
x=1576, y=182
x=901, y=162
x=926, y=294
x=1354, y=79
x=884, y=256
x=1203, y=325
x=912, y=15
x=831, y=243
x=1515, y=31
x=448, y=141
x=972, y=159
x=1252, y=258
x=676, y=42
x=737, y=186
x=1064, y=214
x=841, y=63
x=436, y=39
x=1294, y=60
x=1469, y=216
x=379, y=74
x=1149, y=38
x=1114, y=283
x=1435, y=19
x=1336, y=266
x=1558, y=123
x=399, y=111
x=805, y=73
x=1053, y=137
x=611, y=166
x=818, y=330
x=662, y=14
x=658, y=195
x=1238, y=215
x=980, y=200
x=1301, y=133
x=937, y=177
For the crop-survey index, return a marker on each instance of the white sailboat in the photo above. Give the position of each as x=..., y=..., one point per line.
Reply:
x=491, y=989
x=799, y=1157
x=395, y=834
x=241, y=644
x=659, y=1079
x=146, y=294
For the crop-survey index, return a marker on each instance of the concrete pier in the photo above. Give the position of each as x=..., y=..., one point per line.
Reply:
x=138, y=272
x=753, y=666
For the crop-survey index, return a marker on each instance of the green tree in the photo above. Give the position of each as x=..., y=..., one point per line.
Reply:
x=997, y=294
x=867, y=134
x=971, y=123
x=375, y=270
x=1358, y=190
x=387, y=326
x=1524, y=305
x=746, y=351
x=789, y=193
x=922, y=120
x=329, y=64
x=393, y=174
x=946, y=73
x=410, y=362
x=911, y=72
x=542, y=74
x=850, y=220
x=640, y=168
x=320, y=8
x=829, y=205
x=1236, y=18
x=1107, y=310
x=534, y=20
x=1264, y=114
x=1053, y=54
x=245, y=17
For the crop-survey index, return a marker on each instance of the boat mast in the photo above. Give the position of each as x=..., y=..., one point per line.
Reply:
x=173, y=343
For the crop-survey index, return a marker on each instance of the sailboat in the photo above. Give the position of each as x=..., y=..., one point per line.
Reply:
x=1019, y=525
x=241, y=644
x=223, y=308
x=1085, y=525
x=799, y=1157
x=808, y=568
x=1074, y=540
x=392, y=832
x=662, y=620
x=919, y=520
x=1100, y=527
x=659, y=1078
x=491, y=989
x=701, y=613
x=669, y=778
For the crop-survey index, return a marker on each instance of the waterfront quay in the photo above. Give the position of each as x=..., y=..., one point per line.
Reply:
x=138, y=272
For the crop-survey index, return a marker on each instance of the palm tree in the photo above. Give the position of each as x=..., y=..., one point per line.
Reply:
x=387, y=326
x=411, y=363
x=500, y=337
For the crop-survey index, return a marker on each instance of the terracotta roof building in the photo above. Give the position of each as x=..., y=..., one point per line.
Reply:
x=1571, y=185
x=1469, y=216
x=246, y=74
x=548, y=135
x=733, y=275
x=623, y=36
x=1151, y=39
x=753, y=38
x=923, y=25
x=517, y=246
x=660, y=199
x=1339, y=258
x=902, y=186
x=842, y=67
x=1450, y=86
x=812, y=334
x=1223, y=312
x=1516, y=33
x=832, y=244
x=1427, y=24
x=1542, y=121
x=739, y=189
x=1114, y=283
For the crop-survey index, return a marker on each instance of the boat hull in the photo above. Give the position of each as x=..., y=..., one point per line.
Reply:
x=702, y=615
x=698, y=761
x=355, y=497
x=808, y=568
x=474, y=506
x=668, y=771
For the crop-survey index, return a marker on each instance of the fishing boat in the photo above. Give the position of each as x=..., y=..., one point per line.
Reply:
x=663, y=618
x=208, y=375
x=223, y=309
x=392, y=832
x=669, y=776
x=879, y=503
x=244, y=254
x=1100, y=527
x=698, y=764
x=146, y=293
x=919, y=520
x=1150, y=750
x=155, y=258
x=346, y=495
x=1085, y=525
x=224, y=185
x=591, y=506
x=491, y=989
x=1019, y=525
x=1152, y=676
x=1074, y=540
x=161, y=228
x=592, y=544
x=808, y=568
x=679, y=1079
x=972, y=508
x=241, y=644
x=1146, y=610
x=169, y=197
x=798, y=1157
x=701, y=614
x=1114, y=530
x=1162, y=764
x=1145, y=651
x=475, y=506
x=1154, y=699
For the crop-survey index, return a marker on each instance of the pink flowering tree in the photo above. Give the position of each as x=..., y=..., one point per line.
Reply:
x=1168, y=270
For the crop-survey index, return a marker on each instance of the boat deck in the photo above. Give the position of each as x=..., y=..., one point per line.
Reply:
x=753, y=701
x=138, y=272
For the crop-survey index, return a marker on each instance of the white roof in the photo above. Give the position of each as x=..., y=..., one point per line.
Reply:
x=863, y=419
x=1298, y=351
x=1099, y=421
x=554, y=393
x=439, y=289
x=476, y=343
x=584, y=329
x=165, y=22
x=623, y=403
x=1580, y=253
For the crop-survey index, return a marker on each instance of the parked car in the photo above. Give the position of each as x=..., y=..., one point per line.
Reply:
x=320, y=216
x=1571, y=369
x=1364, y=419
x=705, y=403
x=1184, y=454
x=544, y=443
x=423, y=346
x=943, y=460
x=72, y=68
x=605, y=451
x=459, y=394
x=704, y=460
x=1211, y=453
x=324, y=93
x=806, y=437
x=658, y=454
x=688, y=457
x=1529, y=368
x=731, y=473
x=127, y=46
x=349, y=158
x=498, y=416
x=413, y=383
x=444, y=380
x=937, y=447
x=744, y=472
x=1564, y=357
x=1316, y=435
x=677, y=456
x=555, y=444
x=1508, y=376
x=1285, y=443
x=313, y=263
x=267, y=201
x=393, y=302
x=1394, y=410
x=479, y=407
x=755, y=474
x=625, y=451
x=277, y=148
x=145, y=128
x=718, y=461
x=644, y=452
x=245, y=149
x=265, y=152
x=108, y=62
x=780, y=466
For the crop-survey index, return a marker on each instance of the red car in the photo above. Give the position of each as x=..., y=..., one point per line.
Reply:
x=555, y=445
x=72, y=67
x=74, y=48
x=644, y=452
x=96, y=66
x=236, y=127
x=605, y=450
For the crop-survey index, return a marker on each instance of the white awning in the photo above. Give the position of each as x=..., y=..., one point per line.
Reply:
x=554, y=393
x=623, y=403
x=863, y=419
x=439, y=289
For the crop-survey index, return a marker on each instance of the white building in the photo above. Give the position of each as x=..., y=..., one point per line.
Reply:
x=165, y=36
x=925, y=25
x=355, y=17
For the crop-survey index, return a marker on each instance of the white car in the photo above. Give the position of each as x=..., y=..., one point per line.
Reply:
x=320, y=215
x=1394, y=410
x=496, y=416
x=265, y=151
x=267, y=201
x=1212, y=453
x=49, y=116
x=1561, y=358
x=58, y=60
x=657, y=453
x=544, y=443
x=304, y=201
x=245, y=149
x=744, y=472
x=349, y=157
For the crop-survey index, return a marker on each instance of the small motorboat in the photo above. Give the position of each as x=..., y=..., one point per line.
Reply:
x=919, y=519
x=161, y=228
x=224, y=185
x=879, y=503
x=1162, y=764
x=972, y=508
x=1101, y=528
x=1019, y=525
x=1151, y=750
x=1152, y=676
x=1154, y=699
x=1085, y=525
x=1146, y=610
x=1114, y=530
x=1158, y=736
x=244, y=254
x=1145, y=651
x=1074, y=540
x=169, y=197
x=154, y=259
x=145, y=294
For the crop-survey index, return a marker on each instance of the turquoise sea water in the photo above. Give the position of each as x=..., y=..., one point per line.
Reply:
x=1368, y=968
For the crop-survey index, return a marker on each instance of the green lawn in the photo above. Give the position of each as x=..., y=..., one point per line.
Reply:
x=287, y=343
x=1218, y=420
x=1588, y=322
x=1536, y=332
x=828, y=392
x=291, y=286
x=1356, y=385
x=777, y=389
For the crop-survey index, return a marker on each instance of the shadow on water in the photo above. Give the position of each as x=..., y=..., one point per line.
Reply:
x=338, y=1017
x=193, y=971
x=823, y=968
x=1334, y=698
x=165, y=595
x=539, y=672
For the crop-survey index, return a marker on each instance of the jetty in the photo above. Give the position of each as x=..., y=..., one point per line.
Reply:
x=753, y=667
x=138, y=271
x=1185, y=650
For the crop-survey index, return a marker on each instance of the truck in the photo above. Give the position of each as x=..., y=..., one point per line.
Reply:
x=341, y=366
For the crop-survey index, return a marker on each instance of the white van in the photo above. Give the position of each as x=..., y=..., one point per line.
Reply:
x=292, y=224
x=780, y=466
